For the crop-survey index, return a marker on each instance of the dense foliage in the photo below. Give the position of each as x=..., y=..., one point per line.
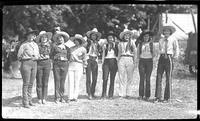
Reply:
x=79, y=18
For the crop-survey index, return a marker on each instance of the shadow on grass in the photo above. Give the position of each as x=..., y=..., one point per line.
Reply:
x=183, y=74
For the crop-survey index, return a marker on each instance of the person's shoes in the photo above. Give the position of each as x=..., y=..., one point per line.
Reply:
x=166, y=101
x=75, y=100
x=146, y=98
x=26, y=106
x=56, y=101
x=89, y=97
x=31, y=104
x=140, y=98
x=128, y=97
x=103, y=97
x=157, y=100
x=44, y=101
x=94, y=97
x=39, y=101
x=62, y=101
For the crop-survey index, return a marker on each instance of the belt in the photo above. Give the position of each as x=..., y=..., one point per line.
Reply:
x=93, y=57
x=60, y=60
x=43, y=59
x=165, y=56
x=28, y=59
x=126, y=55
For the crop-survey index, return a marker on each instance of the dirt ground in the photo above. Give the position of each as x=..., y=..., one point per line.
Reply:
x=182, y=106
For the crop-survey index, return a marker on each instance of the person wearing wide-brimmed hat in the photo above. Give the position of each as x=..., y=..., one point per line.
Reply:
x=43, y=65
x=126, y=63
x=77, y=62
x=28, y=53
x=145, y=54
x=109, y=60
x=60, y=55
x=92, y=67
x=169, y=50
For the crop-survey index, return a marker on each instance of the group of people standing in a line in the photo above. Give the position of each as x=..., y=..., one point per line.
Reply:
x=120, y=54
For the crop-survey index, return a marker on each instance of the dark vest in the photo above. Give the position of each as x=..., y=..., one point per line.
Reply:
x=150, y=45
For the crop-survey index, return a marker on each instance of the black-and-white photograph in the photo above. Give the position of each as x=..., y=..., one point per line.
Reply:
x=99, y=61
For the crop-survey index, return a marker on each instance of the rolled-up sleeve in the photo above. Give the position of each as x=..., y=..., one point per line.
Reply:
x=20, y=52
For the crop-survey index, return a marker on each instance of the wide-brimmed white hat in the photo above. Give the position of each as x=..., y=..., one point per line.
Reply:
x=79, y=37
x=171, y=28
x=42, y=33
x=61, y=33
x=94, y=31
x=126, y=31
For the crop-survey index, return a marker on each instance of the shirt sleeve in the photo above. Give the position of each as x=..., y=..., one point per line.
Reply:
x=176, y=49
x=20, y=52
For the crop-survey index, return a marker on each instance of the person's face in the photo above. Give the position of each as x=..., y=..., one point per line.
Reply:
x=127, y=37
x=167, y=32
x=60, y=39
x=31, y=37
x=44, y=39
x=93, y=36
x=146, y=37
x=110, y=38
x=76, y=42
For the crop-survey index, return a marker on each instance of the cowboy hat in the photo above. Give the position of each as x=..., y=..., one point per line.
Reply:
x=42, y=33
x=31, y=31
x=94, y=31
x=111, y=33
x=126, y=31
x=61, y=33
x=150, y=33
x=78, y=37
x=171, y=28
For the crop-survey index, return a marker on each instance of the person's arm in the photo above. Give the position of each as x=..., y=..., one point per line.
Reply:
x=103, y=54
x=176, y=49
x=20, y=52
x=119, y=52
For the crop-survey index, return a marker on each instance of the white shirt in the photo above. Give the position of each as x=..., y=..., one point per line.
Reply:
x=172, y=46
x=146, y=51
x=28, y=50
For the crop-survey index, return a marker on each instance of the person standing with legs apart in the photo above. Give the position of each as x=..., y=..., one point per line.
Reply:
x=60, y=54
x=169, y=49
x=127, y=56
x=43, y=65
x=77, y=62
x=92, y=67
x=146, y=52
x=110, y=52
x=28, y=54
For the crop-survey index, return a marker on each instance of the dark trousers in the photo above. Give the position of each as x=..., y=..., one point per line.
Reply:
x=42, y=78
x=145, y=70
x=109, y=67
x=164, y=65
x=60, y=69
x=92, y=67
x=28, y=71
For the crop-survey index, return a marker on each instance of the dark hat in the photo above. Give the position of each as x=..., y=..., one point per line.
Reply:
x=31, y=31
x=111, y=33
x=150, y=33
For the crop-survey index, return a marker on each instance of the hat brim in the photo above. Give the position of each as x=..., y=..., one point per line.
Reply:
x=171, y=28
x=144, y=33
x=64, y=34
x=32, y=32
x=92, y=32
x=123, y=33
x=79, y=38
x=48, y=34
x=111, y=34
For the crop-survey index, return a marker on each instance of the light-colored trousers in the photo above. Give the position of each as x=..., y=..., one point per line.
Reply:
x=74, y=75
x=125, y=71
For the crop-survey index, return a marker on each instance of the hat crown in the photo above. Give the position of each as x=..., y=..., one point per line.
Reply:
x=95, y=30
x=85, y=38
x=42, y=32
x=78, y=35
x=57, y=28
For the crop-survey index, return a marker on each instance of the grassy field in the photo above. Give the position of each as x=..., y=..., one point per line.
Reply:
x=182, y=106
